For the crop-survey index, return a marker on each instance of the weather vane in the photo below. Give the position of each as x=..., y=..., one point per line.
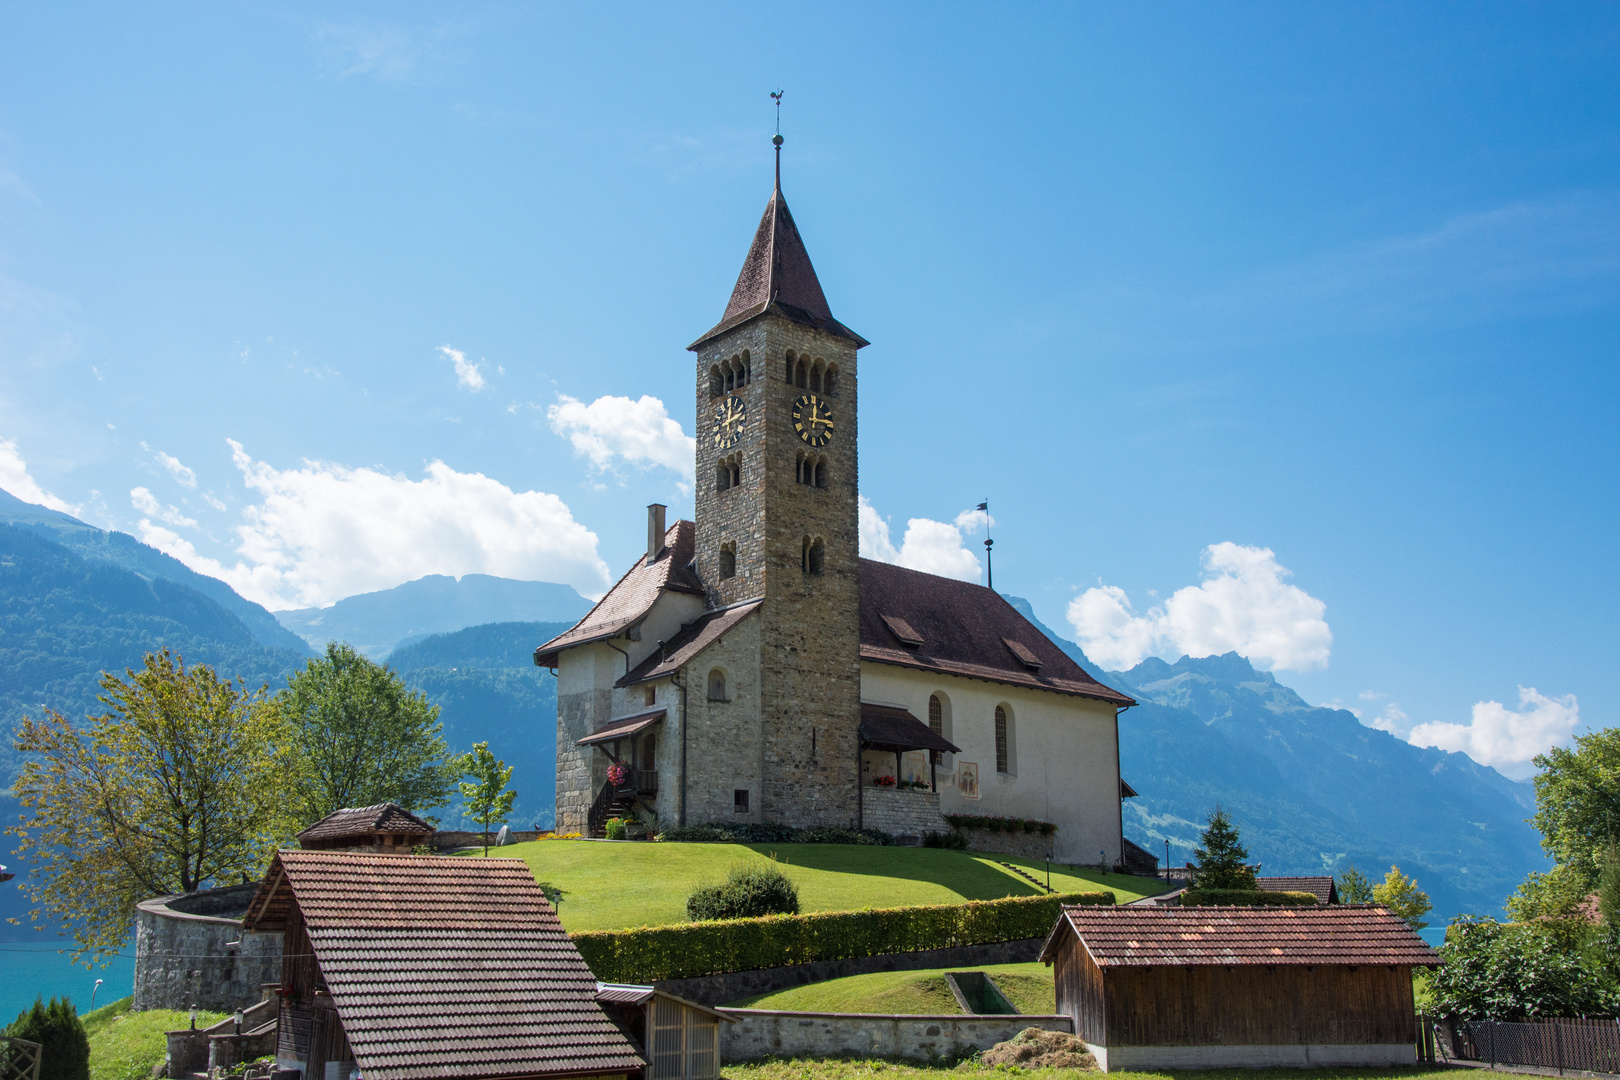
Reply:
x=776, y=96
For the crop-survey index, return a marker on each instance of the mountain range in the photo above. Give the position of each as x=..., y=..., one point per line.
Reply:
x=1312, y=789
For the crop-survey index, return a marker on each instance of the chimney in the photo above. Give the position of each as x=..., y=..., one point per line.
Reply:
x=655, y=530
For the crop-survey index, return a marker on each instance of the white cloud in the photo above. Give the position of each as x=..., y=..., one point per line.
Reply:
x=1498, y=736
x=467, y=372
x=182, y=475
x=1242, y=605
x=324, y=531
x=146, y=503
x=15, y=479
x=935, y=547
x=1392, y=719
x=640, y=432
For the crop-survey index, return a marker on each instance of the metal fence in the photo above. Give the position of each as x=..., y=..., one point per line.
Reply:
x=1565, y=1045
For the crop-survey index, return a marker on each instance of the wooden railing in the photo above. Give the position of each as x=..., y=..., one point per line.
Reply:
x=19, y=1059
x=596, y=817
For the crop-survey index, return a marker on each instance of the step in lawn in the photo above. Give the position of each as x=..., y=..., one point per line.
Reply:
x=614, y=886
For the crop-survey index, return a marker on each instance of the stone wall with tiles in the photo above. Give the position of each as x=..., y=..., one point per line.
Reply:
x=757, y=1033
x=735, y=985
x=903, y=813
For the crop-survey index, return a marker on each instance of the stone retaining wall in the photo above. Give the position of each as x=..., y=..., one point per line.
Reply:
x=450, y=840
x=1025, y=845
x=715, y=990
x=760, y=1033
x=909, y=813
x=190, y=950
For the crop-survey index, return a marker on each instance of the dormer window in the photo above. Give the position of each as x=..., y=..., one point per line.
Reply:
x=1030, y=661
x=903, y=632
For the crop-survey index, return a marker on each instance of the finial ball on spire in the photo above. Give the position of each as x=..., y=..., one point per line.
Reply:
x=776, y=140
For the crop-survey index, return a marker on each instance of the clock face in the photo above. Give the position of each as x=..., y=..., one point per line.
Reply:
x=812, y=419
x=728, y=422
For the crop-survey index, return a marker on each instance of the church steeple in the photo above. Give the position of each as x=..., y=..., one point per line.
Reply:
x=777, y=276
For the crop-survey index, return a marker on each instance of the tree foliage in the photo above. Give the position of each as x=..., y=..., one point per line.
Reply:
x=1515, y=971
x=487, y=800
x=1578, y=802
x=359, y=737
x=1556, y=894
x=174, y=788
x=1354, y=888
x=1221, y=858
x=1403, y=898
x=64, y=1046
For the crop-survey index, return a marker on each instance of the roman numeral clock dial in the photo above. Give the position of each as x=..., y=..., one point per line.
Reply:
x=812, y=419
x=728, y=422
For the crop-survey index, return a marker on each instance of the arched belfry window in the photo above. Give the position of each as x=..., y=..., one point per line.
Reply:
x=717, y=382
x=830, y=384
x=728, y=473
x=821, y=471
x=717, y=685
x=815, y=377
x=728, y=560
x=801, y=374
x=791, y=359
x=813, y=555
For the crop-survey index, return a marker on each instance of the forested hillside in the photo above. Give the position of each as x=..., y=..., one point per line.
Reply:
x=1312, y=789
x=484, y=680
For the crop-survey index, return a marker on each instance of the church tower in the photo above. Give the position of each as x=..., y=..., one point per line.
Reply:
x=777, y=515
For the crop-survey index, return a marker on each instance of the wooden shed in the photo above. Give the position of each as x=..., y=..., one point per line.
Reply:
x=679, y=1038
x=1238, y=987
x=386, y=828
x=406, y=968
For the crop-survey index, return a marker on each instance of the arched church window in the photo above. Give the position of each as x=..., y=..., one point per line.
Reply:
x=717, y=685
x=821, y=471
x=1003, y=740
x=936, y=724
x=728, y=560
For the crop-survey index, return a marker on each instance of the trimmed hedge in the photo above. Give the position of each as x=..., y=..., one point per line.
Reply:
x=1001, y=824
x=771, y=834
x=684, y=951
x=1245, y=898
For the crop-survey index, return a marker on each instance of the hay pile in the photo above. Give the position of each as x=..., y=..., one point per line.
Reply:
x=1033, y=1048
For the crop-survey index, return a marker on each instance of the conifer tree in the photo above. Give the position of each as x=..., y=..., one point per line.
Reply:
x=64, y=1046
x=1354, y=888
x=1221, y=858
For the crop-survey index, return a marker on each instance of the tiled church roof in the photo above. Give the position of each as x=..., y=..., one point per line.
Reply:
x=628, y=602
x=966, y=630
x=777, y=277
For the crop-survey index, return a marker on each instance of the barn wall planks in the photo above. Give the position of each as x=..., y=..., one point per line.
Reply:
x=1080, y=991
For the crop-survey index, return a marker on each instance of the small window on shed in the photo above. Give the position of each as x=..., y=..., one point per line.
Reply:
x=717, y=686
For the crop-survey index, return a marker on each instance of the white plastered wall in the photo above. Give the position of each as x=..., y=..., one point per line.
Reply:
x=1063, y=767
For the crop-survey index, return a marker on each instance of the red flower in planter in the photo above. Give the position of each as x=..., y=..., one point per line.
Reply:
x=884, y=781
x=618, y=774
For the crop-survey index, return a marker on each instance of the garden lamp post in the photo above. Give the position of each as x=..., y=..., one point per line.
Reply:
x=93, y=990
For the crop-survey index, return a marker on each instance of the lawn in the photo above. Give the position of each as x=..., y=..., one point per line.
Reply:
x=840, y=1069
x=613, y=886
x=914, y=993
x=124, y=1045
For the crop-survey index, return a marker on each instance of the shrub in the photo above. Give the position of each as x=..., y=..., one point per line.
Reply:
x=749, y=891
x=697, y=834
x=1001, y=824
x=57, y=1028
x=688, y=950
x=1245, y=898
x=617, y=828
x=833, y=835
x=953, y=841
x=1516, y=971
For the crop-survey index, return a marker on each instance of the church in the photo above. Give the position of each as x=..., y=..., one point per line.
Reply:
x=751, y=667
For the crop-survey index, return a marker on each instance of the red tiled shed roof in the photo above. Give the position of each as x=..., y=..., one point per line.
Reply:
x=444, y=967
x=1230, y=936
x=633, y=596
x=1320, y=886
x=966, y=630
x=365, y=821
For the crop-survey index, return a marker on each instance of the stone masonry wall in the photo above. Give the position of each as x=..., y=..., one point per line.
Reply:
x=1024, y=845
x=904, y=813
x=184, y=959
x=715, y=990
x=757, y=1033
x=809, y=655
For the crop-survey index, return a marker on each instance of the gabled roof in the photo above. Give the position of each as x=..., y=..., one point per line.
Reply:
x=1232, y=936
x=357, y=821
x=777, y=277
x=629, y=601
x=1320, y=886
x=965, y=629
x=444, y=967
x=623, y=727
x=684, y=646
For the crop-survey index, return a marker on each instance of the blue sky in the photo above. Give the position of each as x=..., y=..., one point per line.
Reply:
x=1173, y=287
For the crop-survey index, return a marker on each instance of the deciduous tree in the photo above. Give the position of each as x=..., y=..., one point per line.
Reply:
x=176, y=787
x=359, y=737
x=1515, y=971
x=1403, y=898
x=1578, y=801
x=487, y=800
x=1221, y=858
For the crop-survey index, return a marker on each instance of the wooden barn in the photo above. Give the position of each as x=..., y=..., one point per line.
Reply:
x=408, y=968
x=1236, y=987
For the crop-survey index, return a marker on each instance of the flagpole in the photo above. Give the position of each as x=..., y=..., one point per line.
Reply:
x=989, y=569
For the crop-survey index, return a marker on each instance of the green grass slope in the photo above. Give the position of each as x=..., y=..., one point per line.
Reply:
x=124, y=1045
x=910, y=993
x=608, y=886
x=861, y=1069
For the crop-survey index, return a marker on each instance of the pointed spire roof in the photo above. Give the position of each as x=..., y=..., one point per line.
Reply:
x=777, y=277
